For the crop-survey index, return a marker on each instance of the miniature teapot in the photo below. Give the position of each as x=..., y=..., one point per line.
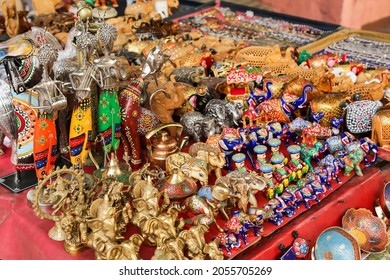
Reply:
x=164, y=144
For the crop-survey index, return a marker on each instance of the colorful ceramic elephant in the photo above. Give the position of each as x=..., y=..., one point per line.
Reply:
x=308, y=152
x=240, y=230
x=250, y=141
x=302, y=193
x=337, y=143
x=227, y=241
x=230, y=143
x=368, y=146
x=202, y=211
x=354, y=158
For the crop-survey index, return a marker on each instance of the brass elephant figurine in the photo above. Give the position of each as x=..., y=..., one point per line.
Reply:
x=195, y=241
x=213, y=156
x=192, y=167
x=170, y=249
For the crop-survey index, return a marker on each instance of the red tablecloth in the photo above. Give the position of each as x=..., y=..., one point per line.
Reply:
x=24, y=236
x=359, y=192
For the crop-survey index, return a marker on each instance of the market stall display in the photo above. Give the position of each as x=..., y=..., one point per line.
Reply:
x=180, y=114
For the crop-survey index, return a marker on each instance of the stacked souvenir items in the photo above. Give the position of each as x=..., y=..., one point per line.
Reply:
x=253, y=158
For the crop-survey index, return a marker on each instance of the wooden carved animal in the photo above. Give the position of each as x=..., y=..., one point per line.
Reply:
x=148, y=6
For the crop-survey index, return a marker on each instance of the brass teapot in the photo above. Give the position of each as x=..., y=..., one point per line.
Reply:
x=163, y=145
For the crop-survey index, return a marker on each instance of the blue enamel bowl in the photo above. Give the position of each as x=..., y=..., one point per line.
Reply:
x=335, y=243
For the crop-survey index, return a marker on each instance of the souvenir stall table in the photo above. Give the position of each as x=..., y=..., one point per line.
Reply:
x=24, y=235
x=177, y=190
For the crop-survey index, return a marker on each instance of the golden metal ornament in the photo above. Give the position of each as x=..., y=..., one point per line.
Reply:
x=213, y=156
x=170, y=249
x=165, y=226
x=381, y=128
x=64, y=189
x=211, y=249
x=178, y=186
x=329, y=104
x=112, y=169
x=107, y=219
x=195, y=241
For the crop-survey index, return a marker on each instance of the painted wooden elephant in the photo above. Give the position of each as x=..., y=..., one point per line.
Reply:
x=302, y=193
x=337, y=143
x=280, y=110
x=250, y=221
x=250, y=141
x=165, y=99
x=354, y=158
x=230, y=143
x=368, y=146
x=308, y=152
x=136, y=121
x=227, y=241
x=240, y=230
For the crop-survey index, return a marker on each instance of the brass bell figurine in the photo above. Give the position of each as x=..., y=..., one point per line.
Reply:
x=112, y=168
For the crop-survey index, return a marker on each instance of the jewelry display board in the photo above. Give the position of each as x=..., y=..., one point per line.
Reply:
x=259, y=27
x=370, y=48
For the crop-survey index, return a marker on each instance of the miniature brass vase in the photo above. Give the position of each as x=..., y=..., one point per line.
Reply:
x=177, y=185
x=112, y=169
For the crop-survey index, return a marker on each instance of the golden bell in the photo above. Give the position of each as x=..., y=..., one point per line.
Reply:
x=112, y=168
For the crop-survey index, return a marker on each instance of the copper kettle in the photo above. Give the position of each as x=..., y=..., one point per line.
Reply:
x=163, y=145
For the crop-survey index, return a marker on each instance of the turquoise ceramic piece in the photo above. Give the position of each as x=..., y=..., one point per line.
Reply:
x=336, y=244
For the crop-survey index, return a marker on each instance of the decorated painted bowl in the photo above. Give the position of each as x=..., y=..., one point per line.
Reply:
x=368, y=230
x=335, y=243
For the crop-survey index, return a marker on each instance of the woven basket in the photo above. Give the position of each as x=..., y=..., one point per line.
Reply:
x=256, y=56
